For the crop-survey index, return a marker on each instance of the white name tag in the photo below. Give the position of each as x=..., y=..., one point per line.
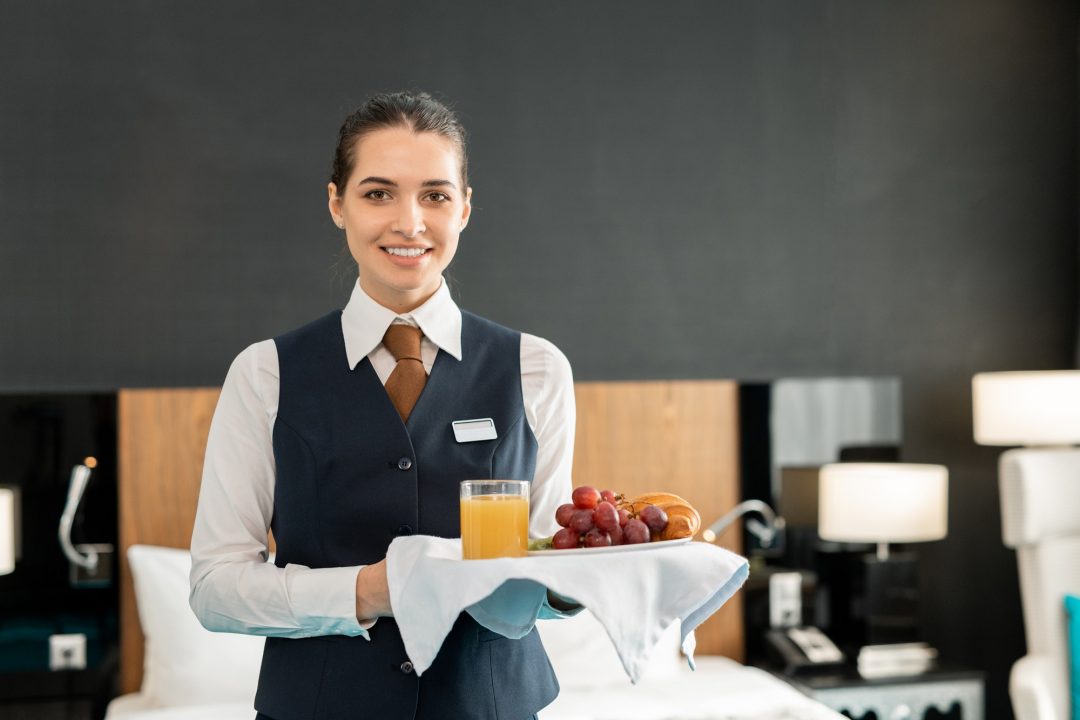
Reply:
x=474, y=430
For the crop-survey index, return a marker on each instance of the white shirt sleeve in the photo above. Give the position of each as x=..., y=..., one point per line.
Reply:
x=233, y=587
x=547, y=388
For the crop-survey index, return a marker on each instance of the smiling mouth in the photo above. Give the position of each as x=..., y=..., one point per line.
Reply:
x=406, y=252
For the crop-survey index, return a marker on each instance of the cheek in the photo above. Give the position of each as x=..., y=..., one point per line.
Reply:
x=359, y=240
x=363, y=229
x=354, y=249
x=450, y=246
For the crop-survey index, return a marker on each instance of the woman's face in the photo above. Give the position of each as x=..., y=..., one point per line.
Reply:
x=402, y=209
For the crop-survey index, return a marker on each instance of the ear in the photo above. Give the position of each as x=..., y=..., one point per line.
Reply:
x=467, y=210
x=334, y=204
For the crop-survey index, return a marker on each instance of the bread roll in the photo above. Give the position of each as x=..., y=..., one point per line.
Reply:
x=683, y=520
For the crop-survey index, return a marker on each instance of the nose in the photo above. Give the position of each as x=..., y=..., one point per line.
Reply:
x=410, y=220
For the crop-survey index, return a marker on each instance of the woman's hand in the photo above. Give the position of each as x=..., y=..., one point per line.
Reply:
x=372, y=592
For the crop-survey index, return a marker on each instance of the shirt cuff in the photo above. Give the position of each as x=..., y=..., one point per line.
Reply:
x=323, y=600
x=547, y=612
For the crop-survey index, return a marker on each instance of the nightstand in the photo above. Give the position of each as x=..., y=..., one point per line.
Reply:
x=954, y=692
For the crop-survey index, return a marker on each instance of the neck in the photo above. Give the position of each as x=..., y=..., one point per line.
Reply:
x=400, y=301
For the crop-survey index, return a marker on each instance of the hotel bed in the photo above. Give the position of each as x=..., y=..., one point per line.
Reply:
x=676, y=436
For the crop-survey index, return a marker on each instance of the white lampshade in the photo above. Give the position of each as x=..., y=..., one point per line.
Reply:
x=7, y=530
x=1026, y=408
x=883, y=502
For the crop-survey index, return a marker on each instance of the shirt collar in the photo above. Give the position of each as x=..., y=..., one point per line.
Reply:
x=364, y=322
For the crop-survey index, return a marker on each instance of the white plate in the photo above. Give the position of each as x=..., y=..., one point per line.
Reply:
x=613, y=548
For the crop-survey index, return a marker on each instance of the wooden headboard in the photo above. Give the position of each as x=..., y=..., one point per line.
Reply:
x=679, y=436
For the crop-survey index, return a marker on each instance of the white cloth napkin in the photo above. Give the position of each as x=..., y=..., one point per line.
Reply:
x=635, y=595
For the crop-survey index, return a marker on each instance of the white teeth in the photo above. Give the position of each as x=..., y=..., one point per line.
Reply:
x=405, y=252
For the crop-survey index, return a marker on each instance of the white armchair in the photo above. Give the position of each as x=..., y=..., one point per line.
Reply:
x=1040, y=508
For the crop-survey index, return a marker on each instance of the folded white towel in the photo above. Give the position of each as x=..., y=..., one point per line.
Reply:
x=635, y=595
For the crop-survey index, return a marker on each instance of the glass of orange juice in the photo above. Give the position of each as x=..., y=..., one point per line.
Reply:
x=494, y=518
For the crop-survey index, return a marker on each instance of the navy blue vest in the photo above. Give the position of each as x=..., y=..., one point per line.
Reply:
x=350, y=478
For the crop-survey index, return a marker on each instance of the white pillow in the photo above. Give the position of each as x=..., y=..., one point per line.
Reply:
x=584, y=658
x=186, y=664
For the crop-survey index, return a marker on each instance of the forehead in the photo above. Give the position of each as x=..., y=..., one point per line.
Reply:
x=402, y=155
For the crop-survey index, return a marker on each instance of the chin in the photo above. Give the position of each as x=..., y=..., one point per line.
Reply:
x=429, y=286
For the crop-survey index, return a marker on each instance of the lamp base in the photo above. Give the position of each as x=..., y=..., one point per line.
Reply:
x=892, y=599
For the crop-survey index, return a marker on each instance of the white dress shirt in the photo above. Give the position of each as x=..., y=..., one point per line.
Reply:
x=233, y=587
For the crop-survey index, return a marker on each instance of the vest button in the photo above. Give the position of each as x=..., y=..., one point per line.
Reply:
x=406, y=667
x=404, y=530
x=404, y=463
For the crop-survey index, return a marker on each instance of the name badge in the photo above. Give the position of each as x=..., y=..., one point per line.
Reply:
x=474, y=430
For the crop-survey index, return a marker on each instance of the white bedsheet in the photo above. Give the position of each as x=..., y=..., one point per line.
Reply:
x=720, y=689
x=137, y=707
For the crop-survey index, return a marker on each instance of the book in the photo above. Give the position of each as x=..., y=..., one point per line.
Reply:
x=898, y=669
x=877, y=661
x=899, y=651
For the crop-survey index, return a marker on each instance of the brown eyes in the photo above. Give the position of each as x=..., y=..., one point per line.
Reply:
x=380, y=195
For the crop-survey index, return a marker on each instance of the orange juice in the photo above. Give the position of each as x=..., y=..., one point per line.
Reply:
x=494, y=526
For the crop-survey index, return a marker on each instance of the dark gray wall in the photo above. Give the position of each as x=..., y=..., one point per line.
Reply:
x=666, y=190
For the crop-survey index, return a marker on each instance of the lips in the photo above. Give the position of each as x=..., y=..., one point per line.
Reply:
x=412, y=258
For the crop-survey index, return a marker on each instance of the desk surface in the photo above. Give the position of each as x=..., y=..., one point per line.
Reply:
x=907, y=696
x=849, y=677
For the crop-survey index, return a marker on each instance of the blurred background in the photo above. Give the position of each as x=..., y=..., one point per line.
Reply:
x=699, y=189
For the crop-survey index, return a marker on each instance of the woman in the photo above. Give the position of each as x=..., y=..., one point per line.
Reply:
x=337, y=436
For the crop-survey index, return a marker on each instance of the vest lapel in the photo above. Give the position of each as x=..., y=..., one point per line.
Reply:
x=433, y=377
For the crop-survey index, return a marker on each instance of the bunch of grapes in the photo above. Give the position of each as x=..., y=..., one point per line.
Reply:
x=596, y=519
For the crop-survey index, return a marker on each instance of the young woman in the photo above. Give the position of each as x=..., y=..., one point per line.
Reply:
x=337, y=437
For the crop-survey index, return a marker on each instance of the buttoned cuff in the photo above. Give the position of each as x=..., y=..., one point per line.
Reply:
x=548, y=612
x=323, y=600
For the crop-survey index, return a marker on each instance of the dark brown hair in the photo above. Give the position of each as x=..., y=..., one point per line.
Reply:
x=417, y=112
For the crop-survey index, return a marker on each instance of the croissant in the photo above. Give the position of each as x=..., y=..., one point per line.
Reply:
x=683, y=520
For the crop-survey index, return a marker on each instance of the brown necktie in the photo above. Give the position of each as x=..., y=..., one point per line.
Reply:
x=407, y=380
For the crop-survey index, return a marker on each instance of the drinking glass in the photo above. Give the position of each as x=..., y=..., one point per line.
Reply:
x=494, y=518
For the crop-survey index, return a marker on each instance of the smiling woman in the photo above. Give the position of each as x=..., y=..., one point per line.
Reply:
x=402, y=208
x=337, y=437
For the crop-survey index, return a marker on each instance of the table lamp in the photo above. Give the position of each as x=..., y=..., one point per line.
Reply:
x=1036, y=409
x=885, y=503
x=7, y=530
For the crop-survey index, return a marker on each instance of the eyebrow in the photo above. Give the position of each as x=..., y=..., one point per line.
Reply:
x=374, y=180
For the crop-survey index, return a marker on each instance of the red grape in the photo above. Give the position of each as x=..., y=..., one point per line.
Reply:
x=635, y=532
x=624, y=516
x=565, y=539
x=608, y=496
x=605, y=516
x=581, y=521
x=596, y=538
x=654, y=517
x=585, y=497
x=562, y=515
x=616, y=535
